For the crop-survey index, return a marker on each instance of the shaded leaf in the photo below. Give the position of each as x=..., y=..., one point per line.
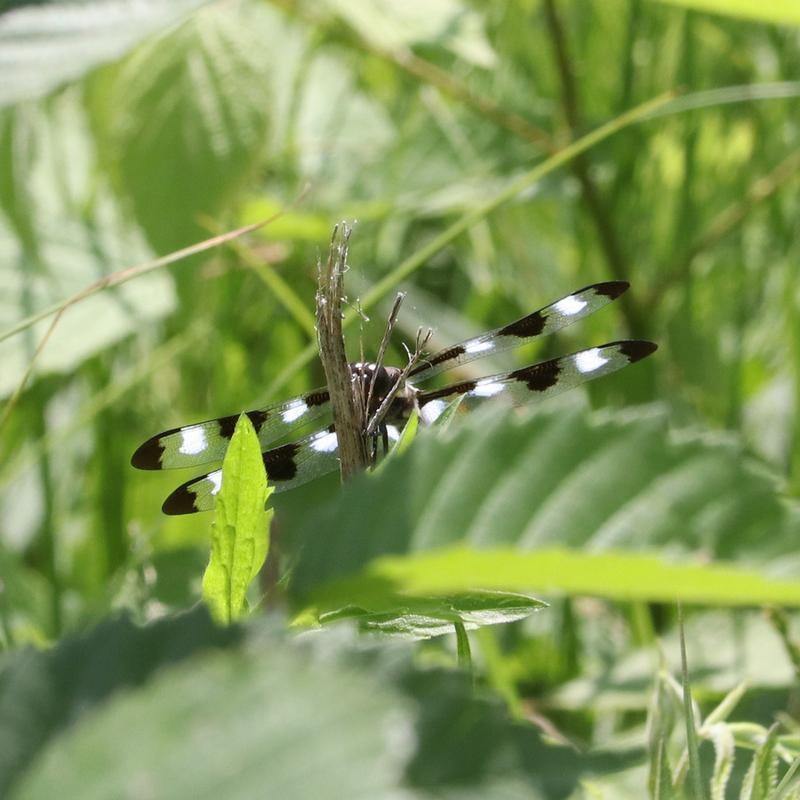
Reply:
x=42, y=693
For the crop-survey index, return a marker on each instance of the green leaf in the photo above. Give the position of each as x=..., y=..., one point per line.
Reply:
x=780, y=11
x=45, y=45
x=193, y=119
x=239, y=537
x=56, y=242
x=43, y=692
x=236, y=725
x=420, y=617
x=388, y=580
x=320, y=716
x=599, y=504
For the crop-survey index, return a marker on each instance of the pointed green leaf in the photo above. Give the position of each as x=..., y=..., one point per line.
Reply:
x=240, y=530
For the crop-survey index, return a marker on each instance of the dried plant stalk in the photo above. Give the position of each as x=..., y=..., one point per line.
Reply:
x=347, y=397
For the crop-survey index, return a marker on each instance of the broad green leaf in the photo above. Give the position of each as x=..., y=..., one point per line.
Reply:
x=44, y=45
x=182, y=120
x=266, y=723
x=239, y=534
x=43, y=692
x=314, y=716
x=781, y=11
x=601, y=504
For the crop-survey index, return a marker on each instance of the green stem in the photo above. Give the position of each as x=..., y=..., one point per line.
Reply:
x=462, y=644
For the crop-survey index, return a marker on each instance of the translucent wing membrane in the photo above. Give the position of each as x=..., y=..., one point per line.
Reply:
x=546, y=320
x=539, y=381
x=287, y=466
x=205, y=442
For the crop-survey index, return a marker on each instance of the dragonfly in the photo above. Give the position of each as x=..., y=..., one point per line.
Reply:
x=296, y=462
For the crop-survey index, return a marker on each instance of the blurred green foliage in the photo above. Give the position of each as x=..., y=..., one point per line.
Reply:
x=128, y=133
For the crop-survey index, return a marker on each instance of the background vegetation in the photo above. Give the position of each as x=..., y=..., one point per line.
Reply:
x=130, y=130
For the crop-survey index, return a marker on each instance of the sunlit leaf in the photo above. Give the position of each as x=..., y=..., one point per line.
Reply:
x=43, y=45
x=197, y=104
x=780, y=11
x=53, y=243
x=239, y=538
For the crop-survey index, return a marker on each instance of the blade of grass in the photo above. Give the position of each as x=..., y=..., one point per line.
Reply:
x=129, y=273
x=786, y=785
x=692, y=741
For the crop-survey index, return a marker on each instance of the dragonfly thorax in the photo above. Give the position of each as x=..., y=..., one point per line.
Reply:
x=384, y=379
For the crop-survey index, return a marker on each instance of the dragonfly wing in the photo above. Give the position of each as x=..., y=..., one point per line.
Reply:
x=546, y=320
x=539, y=381
x=205, y=442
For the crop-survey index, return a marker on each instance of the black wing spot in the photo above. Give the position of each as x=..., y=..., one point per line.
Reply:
x=181, y=501
x=317, y=398
x=227, y=425
x=148, y=455
x=539, y=377
x=447, y=391
x=446, y=355
x=258, y=418
x=612, y=289
x=532, y=325
x=636, y=349
x=280, y=462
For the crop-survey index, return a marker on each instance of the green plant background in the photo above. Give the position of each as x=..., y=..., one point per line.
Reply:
x=126, y=134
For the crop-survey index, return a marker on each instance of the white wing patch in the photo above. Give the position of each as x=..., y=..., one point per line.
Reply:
x=589, y=360
x=294, y=411
x=326, y=443
x=193, y=441
x=487, y=389
x=570, y=306
x=431, y=411
x=479, y=347
x=215, y=477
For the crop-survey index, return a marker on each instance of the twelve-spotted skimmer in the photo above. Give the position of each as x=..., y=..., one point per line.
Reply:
x=300, y=461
